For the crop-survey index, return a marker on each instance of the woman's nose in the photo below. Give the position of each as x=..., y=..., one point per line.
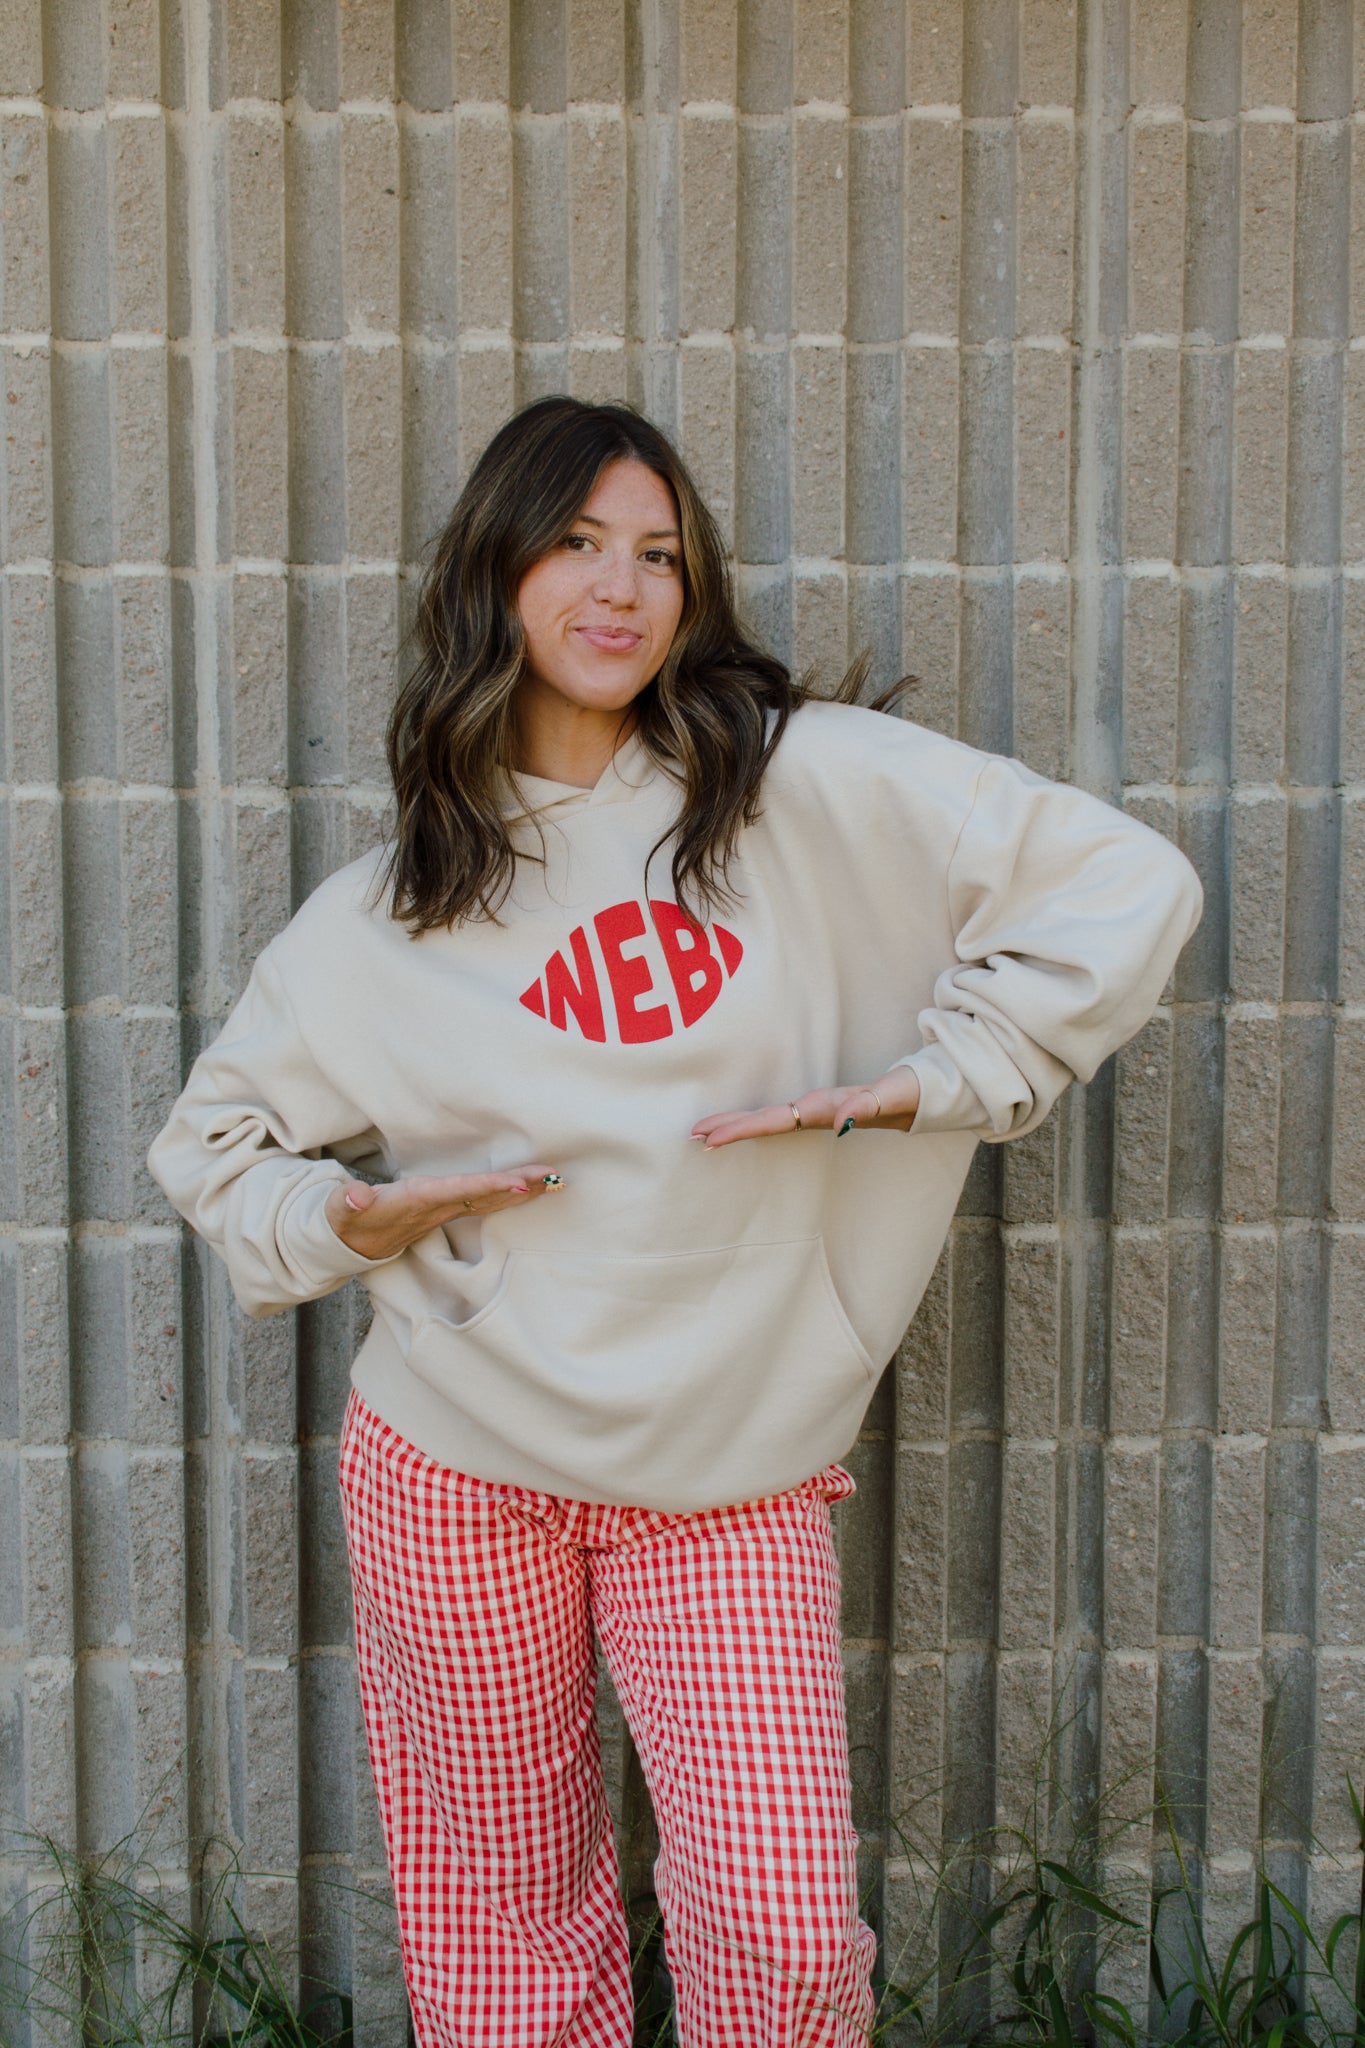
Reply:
x=617, y=581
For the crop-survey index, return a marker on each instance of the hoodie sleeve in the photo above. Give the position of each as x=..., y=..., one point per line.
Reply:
x=1068, y=917
x=240, y=1154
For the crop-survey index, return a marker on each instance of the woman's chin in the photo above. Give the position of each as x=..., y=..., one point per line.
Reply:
x=605, y=696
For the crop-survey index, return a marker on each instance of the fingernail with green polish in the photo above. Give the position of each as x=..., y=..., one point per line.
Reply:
x=845, y=1127
x=552, y=1180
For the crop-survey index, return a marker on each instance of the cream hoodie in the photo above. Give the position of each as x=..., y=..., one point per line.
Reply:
x=678, y=1328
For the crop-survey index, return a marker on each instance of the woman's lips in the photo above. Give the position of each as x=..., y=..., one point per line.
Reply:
x=611, y=640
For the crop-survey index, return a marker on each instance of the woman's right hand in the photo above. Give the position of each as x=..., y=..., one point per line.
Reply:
x=379, y=1222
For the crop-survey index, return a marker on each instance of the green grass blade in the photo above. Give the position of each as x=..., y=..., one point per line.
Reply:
x=1110, y=2016
x=1089, y=1898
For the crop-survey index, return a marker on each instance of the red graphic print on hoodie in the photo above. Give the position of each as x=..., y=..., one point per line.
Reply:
x=697, y=975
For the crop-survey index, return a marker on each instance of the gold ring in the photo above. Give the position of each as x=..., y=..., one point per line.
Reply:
x=468, y=1203
x=876, y=1098
x=797, y=1114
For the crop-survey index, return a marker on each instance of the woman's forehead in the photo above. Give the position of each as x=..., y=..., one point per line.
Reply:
x=627, y=489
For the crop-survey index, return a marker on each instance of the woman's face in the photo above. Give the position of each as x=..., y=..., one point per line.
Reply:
x=599, y=611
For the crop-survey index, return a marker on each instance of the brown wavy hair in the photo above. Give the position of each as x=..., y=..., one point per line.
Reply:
x=452, y=736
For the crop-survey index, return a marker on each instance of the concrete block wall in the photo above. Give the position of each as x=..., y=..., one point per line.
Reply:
x=1018, y=342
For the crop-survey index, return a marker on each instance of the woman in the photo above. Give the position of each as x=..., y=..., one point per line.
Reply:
x=632, y=1016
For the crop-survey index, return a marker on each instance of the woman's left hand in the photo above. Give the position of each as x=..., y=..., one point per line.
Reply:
x=821, y=1109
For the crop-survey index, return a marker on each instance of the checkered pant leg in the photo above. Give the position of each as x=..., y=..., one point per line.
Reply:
x=475, y=1658
x=475, y=1607
x=722, y=1634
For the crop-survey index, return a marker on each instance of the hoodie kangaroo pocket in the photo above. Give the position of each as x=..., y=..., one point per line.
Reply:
x=681, y=1354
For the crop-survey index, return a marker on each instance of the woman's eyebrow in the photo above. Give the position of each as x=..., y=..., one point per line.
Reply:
x=655, y=533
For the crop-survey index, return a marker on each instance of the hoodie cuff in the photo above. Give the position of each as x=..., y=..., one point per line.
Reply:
x=946, y=1102
x=311, y=1245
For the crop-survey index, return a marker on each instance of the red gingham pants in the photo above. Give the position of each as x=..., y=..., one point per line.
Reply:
x=476, y=1606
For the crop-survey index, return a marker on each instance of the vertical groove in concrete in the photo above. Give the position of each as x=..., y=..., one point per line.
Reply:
x=975, y=1698
x=215, y=1757
x=1097, y=589
x=1084, y=1180
x=1312, y=774
x=1208, y=320
x=87, y=748
x=873, y=487
x=763, y=316
x=1018, y=350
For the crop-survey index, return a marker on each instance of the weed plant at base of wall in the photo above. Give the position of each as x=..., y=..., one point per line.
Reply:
x=1037, y=1951
x=96, y=1955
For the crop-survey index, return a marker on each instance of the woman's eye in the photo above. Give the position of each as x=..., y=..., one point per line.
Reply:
x=661, y=557
x=577, y=541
